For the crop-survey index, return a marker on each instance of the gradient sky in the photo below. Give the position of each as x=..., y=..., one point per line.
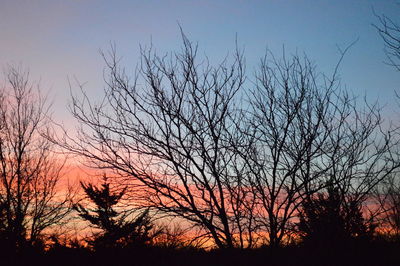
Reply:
x=58, y=39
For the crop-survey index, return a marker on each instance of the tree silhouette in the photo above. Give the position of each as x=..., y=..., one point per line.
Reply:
x=30, y=172
x=387, y=197
x=172, y=137
x=389, y=31
x=327, y=220
x=388, y=194
x=284, y=131
x=116, y=229
x=234, y=161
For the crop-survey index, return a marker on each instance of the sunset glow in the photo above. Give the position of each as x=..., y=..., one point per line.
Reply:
x=199, y=132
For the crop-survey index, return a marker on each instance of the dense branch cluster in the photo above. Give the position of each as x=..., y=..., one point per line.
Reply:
x=237, y=156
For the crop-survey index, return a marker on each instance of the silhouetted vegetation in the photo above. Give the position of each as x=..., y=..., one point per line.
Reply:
x=236, y=160
x=30, y=172
x=284, y=167
x=389, y=31
x=327, y=221
x=118, y=229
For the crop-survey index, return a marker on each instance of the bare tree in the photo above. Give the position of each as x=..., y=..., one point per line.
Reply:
x=387, y=198
x=389, y=31
x=169, y=128
x=284, y=133
x=29, y=172
x=360, y=153
x=303, y=134
x=387, y=194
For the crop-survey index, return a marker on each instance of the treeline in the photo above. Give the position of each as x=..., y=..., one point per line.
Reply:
x=285, y=158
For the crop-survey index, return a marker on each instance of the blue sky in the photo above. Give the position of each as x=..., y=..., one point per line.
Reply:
x=58, y=39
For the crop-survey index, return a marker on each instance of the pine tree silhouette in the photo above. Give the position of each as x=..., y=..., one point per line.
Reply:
x=116, y=229
x=330, y=219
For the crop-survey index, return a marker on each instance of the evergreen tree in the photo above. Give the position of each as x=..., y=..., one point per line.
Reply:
x=116, y=229
x=330, y=218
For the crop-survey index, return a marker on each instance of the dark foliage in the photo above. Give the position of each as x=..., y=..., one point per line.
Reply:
x=116, y=229
x=331, y=219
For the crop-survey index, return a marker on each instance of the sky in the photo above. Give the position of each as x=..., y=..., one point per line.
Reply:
x=60, y=40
